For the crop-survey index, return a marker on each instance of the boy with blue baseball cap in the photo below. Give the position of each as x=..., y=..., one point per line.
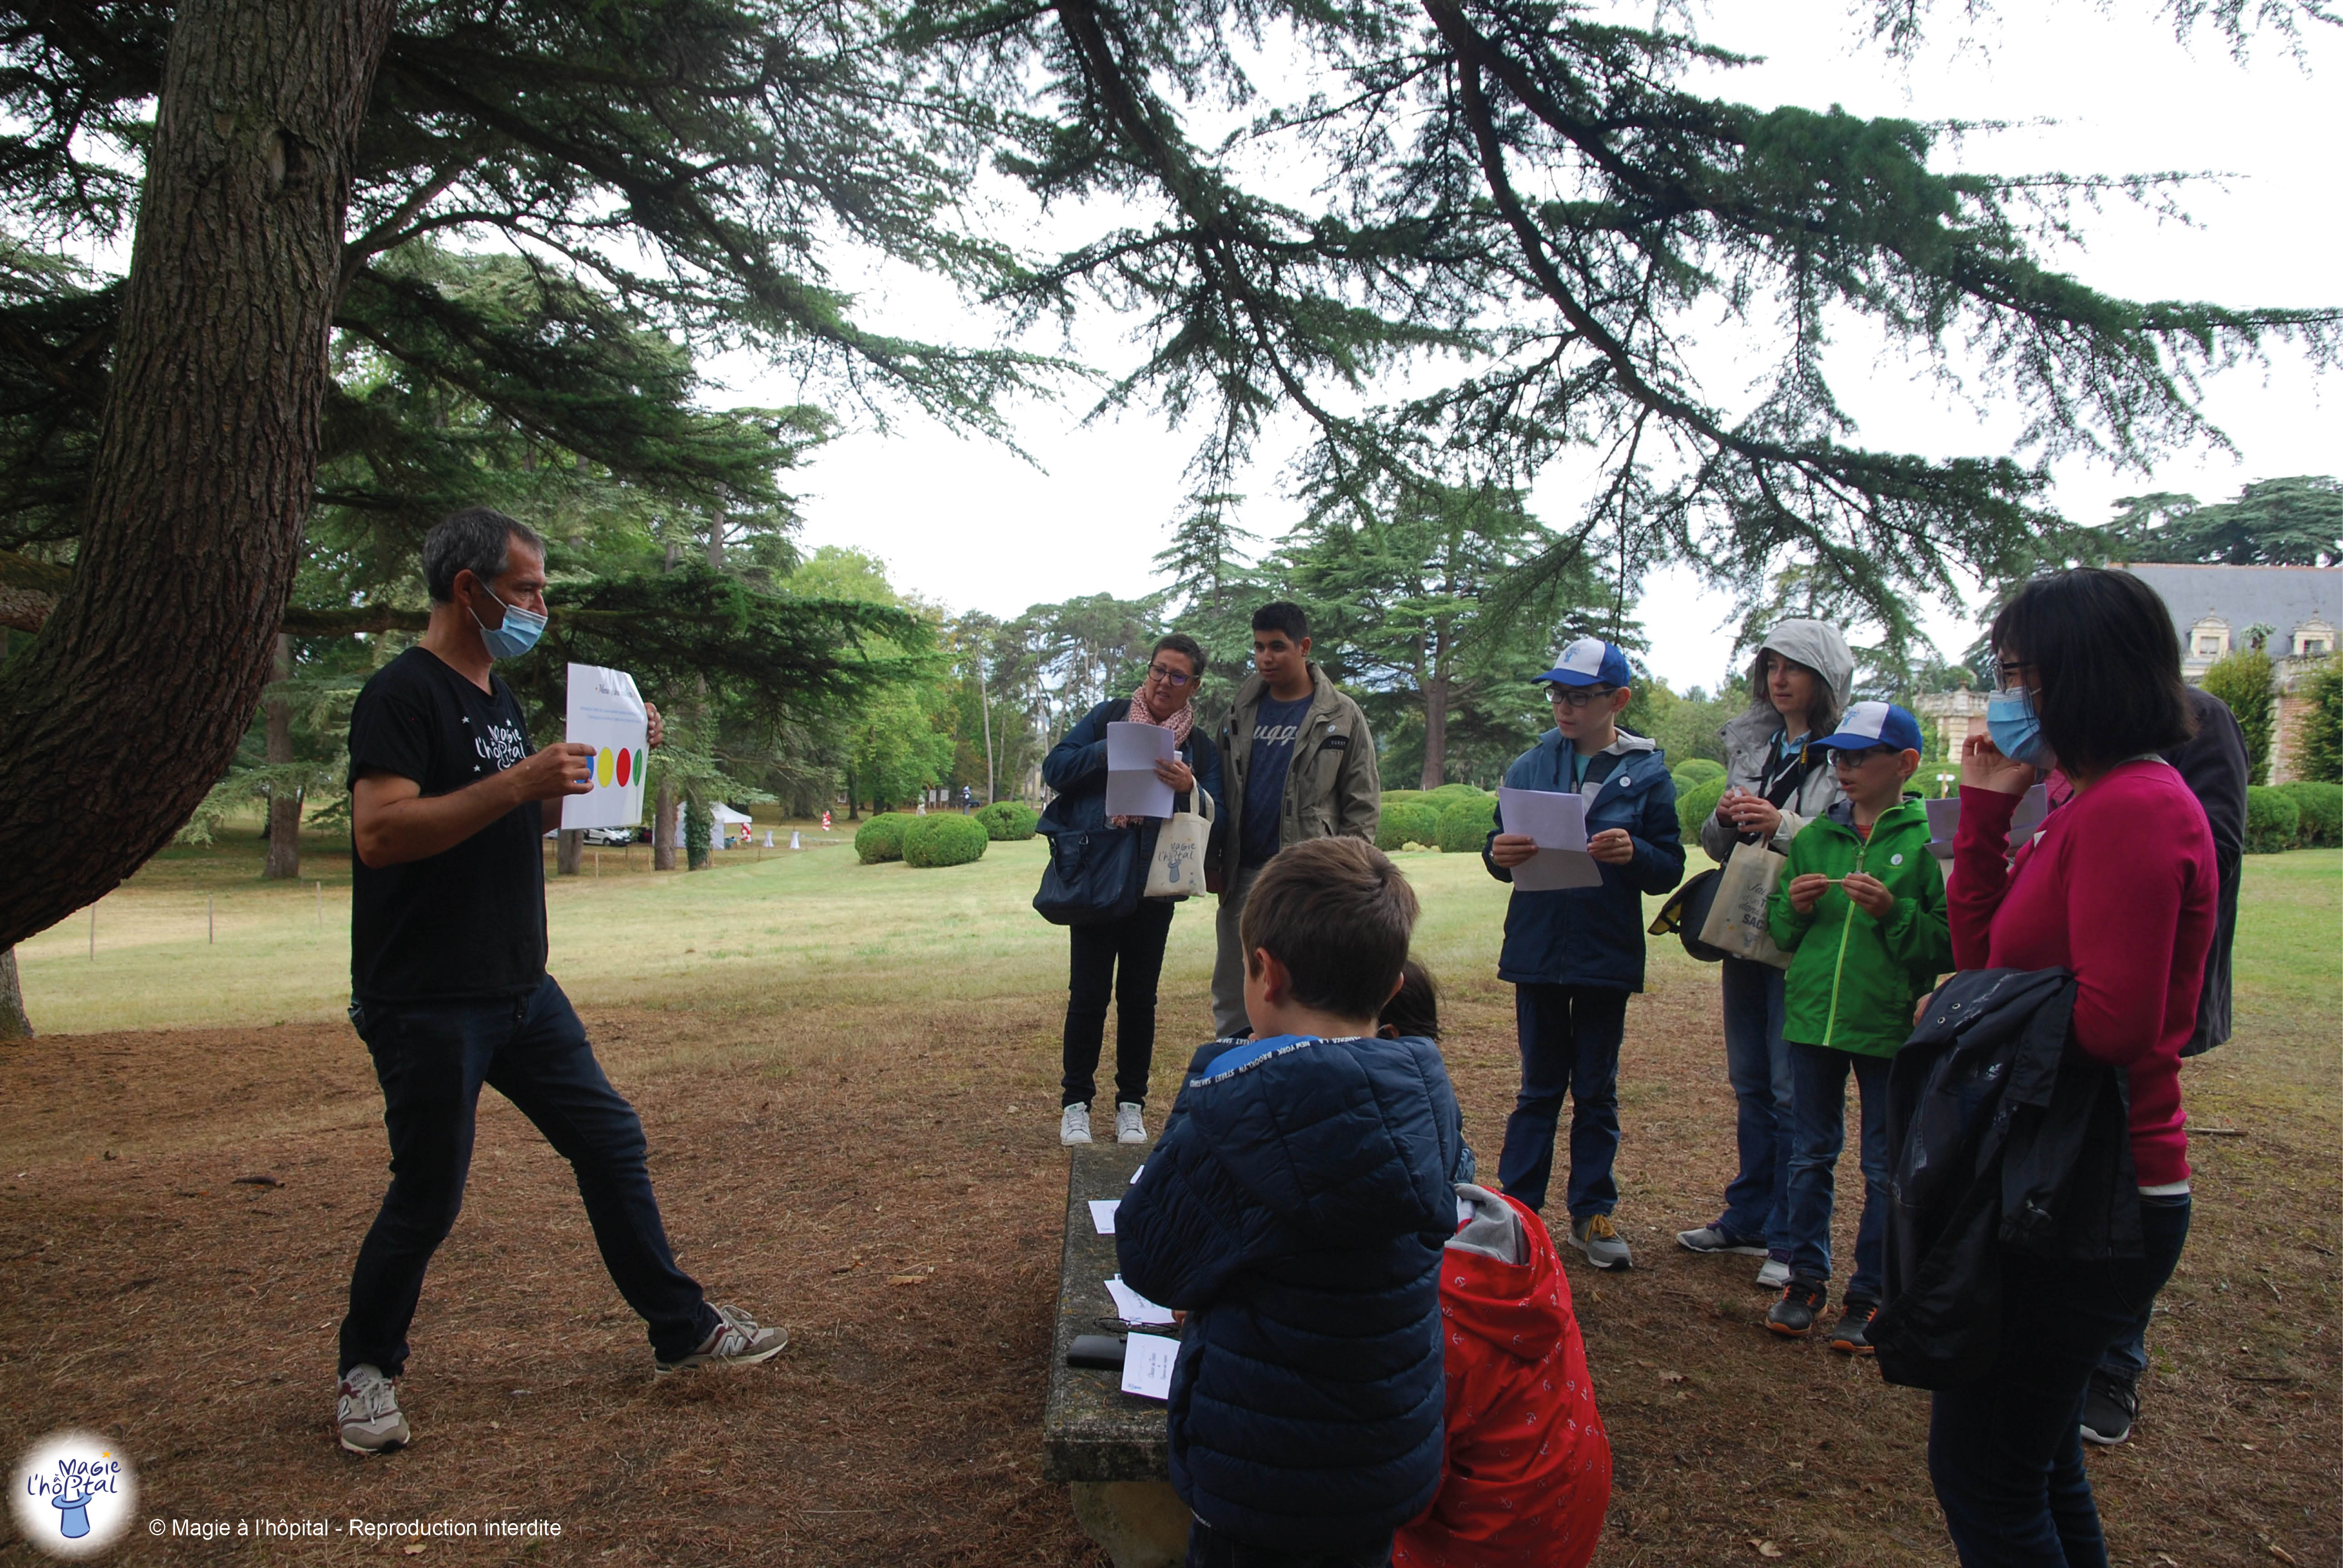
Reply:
x=1861, y=911
x=1575, y=954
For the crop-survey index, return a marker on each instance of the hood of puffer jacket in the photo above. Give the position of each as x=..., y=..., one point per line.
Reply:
x=1500, y=1278
x=1821, y=648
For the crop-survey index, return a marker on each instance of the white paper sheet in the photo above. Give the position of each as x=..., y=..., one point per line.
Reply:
x=1945, y=821
x=1558, y=823
x=1133, y=790
x=1135, y=1175
x=1134, y=1308
x=1103, y=1215
x=606, y=712
x=1147, y=1366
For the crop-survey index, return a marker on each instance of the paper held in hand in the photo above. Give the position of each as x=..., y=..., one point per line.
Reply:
x=1147, y=1366
x=1558, y=823
x=1133, y=790
x=606, y=712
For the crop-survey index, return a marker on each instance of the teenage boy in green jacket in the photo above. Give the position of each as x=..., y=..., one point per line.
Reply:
x=1861, y=911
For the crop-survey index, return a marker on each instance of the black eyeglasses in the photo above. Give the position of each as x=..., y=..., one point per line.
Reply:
x=1563, y=695
x=1845, y=757
x=1170, y=677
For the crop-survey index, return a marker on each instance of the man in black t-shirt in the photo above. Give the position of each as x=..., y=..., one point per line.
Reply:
x=447, y=979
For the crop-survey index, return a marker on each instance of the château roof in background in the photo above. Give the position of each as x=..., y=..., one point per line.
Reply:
x=2280, y=597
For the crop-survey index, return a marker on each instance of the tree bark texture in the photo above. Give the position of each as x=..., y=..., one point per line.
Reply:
x=131, y=701
x=663, y=829
x=283, y=859
x=14, y=1024
x=569, y=851
x=1435, y=733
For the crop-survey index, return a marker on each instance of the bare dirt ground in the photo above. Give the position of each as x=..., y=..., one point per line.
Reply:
x=885, y=1183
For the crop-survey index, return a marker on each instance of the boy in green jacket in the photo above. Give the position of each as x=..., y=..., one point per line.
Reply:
x=1861, y=911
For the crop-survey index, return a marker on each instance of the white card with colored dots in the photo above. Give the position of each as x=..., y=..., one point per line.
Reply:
x=606, y=712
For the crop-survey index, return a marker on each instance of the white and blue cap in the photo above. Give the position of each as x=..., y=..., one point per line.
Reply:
x=1590, y=661
x=1870, y=724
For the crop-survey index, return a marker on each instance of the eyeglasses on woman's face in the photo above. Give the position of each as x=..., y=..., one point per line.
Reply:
x=1577, y=697
x=1174, y=678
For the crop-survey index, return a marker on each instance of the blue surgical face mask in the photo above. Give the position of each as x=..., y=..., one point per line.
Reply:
x=2010, y=719
x=517, y=636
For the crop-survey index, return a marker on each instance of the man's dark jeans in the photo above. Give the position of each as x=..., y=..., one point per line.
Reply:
x=1570, y=1037
x=1122, y=959
x=1821, y=1073
x=432, y=1059
x=2006, y=1451
x=1211, y=1548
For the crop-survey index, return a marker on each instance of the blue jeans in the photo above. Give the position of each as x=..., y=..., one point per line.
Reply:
x=432, y=1059
x=2004, y=1451
x=1820, y=1076
x=1570, y=1037
x=2127, y=1359
x=1757, y=1064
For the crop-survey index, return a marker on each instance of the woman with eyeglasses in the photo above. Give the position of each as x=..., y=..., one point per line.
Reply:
x=1776, y=781
x=2119, y=888
x=1124, y=958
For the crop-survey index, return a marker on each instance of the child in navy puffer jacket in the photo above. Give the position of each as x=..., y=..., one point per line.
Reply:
x=1295, y=1206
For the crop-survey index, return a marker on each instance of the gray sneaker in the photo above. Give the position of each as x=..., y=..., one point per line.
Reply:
x=1774, y=1275
x=1075, y=1126
x=737, y=1341
x=1599, y=1238
x=366, y=1411
x=1129, y=1126
x=1711, y=1239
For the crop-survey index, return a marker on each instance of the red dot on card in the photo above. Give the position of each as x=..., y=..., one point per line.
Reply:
x=625, y=766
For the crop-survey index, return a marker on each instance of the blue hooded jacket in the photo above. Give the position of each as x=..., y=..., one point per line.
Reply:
x=1295, y=1207
x=1594, y=936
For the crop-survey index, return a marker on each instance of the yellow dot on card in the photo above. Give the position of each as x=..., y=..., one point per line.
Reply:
x=605, y=764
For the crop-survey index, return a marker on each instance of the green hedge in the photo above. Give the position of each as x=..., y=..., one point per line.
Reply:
x=1449, y=793
x=1402, y=797
x=2272, y=819
x=1464, y=825
x=2321, y=809
x=881, y=838
x=1408, y=822
x=1009, y=821
x=1693, y=771
x=947, y=838
x=1697, y=805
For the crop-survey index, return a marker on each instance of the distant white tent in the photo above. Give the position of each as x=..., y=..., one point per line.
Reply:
x=724, y=817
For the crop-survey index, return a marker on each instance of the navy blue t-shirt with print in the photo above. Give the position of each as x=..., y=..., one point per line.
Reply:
x=467, y=924
x=1274, y=726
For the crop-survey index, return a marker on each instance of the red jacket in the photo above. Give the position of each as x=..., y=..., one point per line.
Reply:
x=1527, y=1476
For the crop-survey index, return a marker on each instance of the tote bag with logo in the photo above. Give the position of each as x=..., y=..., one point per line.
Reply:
x=1177, y=871
x=1737, y=921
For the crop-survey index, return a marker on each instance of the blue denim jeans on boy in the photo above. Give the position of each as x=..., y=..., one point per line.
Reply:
x=432, y=1059
x=2006, y=1451
x=1757, y=1065
x=1819, y=1074
x=1570, y=1037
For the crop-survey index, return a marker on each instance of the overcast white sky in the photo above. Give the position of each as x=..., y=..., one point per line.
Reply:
x=973, y=527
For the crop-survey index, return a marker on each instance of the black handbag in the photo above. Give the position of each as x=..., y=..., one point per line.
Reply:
x=1095, y=875
x=1687, y=912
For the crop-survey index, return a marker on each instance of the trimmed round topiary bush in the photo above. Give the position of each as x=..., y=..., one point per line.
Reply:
x=1009, y=821
x=2321, y=809
x=1695, y=771
x=1408, y=822
x=1697, y=805
x=1447, y=793
x=881, y=838
x=948, y=839
x=1391, y=798
x=1464, y=825
x=2272, y=819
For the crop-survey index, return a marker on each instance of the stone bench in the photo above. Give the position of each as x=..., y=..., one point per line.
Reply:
x=1108, y=1447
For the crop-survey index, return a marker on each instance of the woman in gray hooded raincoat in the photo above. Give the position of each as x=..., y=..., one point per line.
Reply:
x=1775, y=783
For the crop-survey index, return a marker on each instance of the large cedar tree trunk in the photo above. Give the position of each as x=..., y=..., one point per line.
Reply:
x=569, y=851
x=130, y=702
x=14, y=1024
x=663, y=829
x=1435, y=733
x=283, y=861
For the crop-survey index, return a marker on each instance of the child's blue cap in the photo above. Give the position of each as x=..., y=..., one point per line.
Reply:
x=1590, y=661
x=1870, y=724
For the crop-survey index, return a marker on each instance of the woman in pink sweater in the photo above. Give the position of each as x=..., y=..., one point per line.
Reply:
x=2118, y=888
